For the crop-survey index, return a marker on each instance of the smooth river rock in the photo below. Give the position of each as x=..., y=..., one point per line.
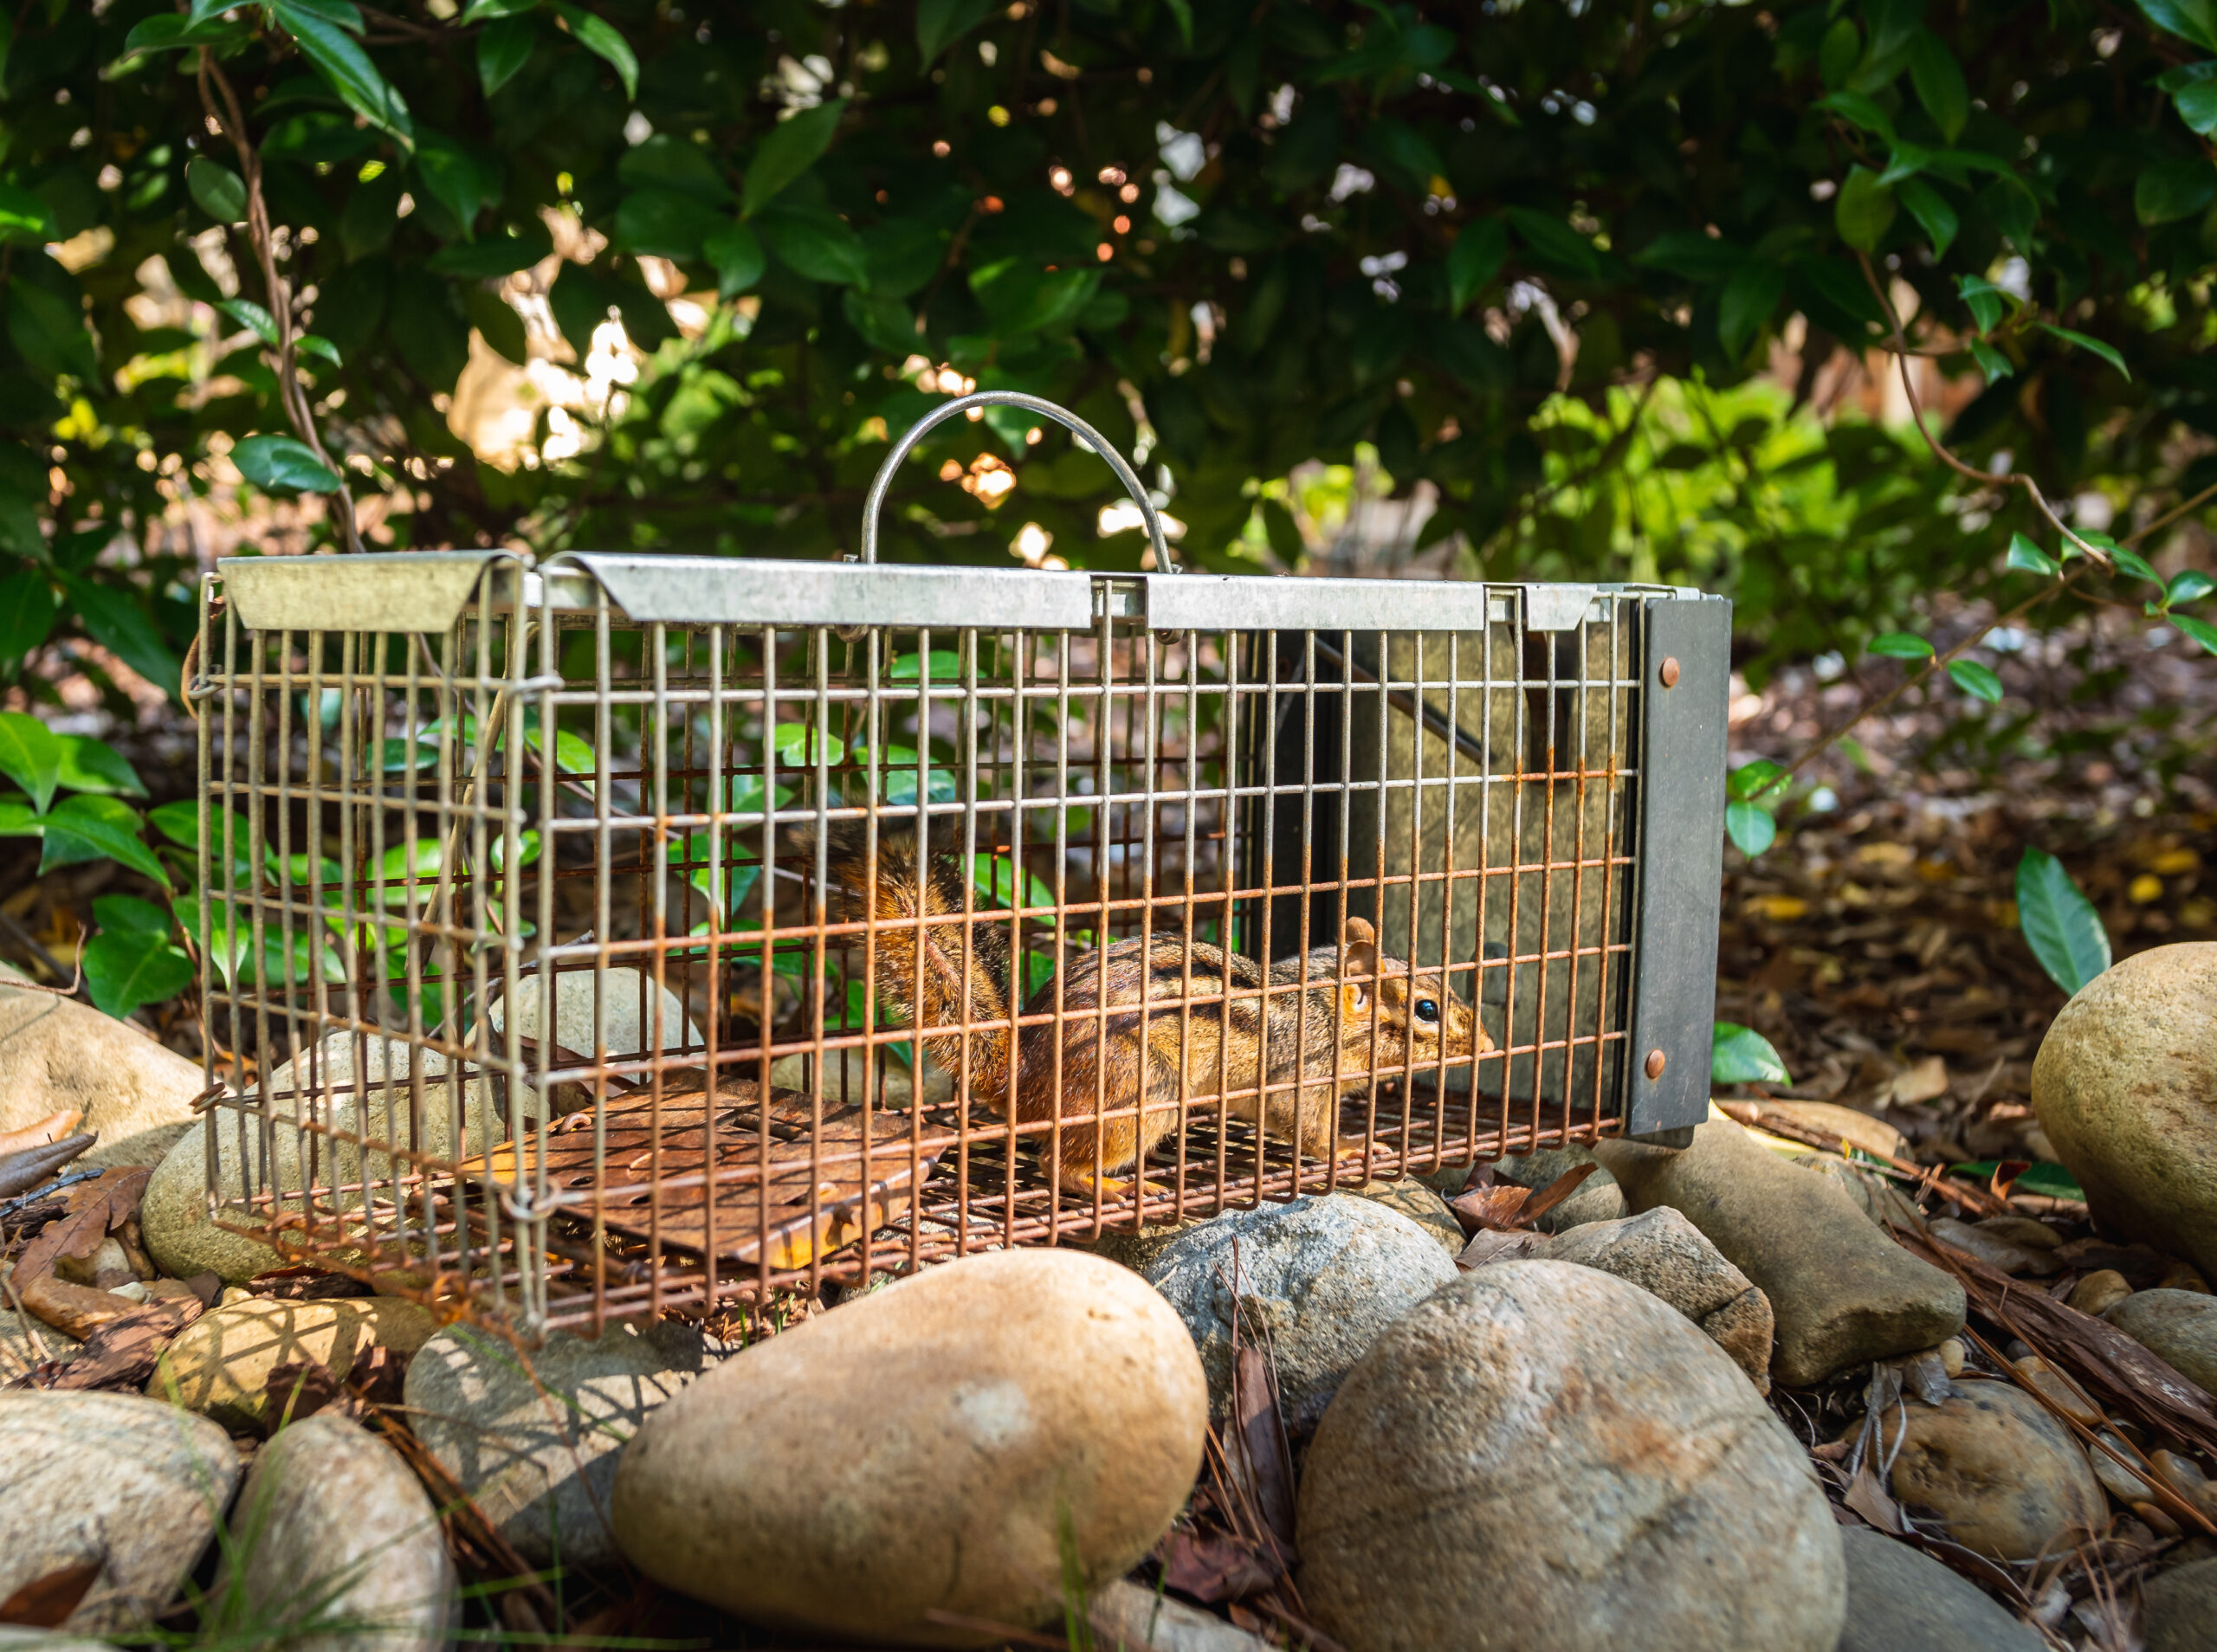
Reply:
x=917, y=1448
x=339, y=1546
x=220, y=1365
x=130, y=1484
x=1315, y=1280
x=2180, y=1608
x=56, y=1055
x=533, y=1437
x=1900, y=1599
x=1666, y=1256
x=2125, y=1086
x=1420, y=1204
x=1541, y=1456
x=2179, y=1327
x=1842, y=1292
x=1999, y=1473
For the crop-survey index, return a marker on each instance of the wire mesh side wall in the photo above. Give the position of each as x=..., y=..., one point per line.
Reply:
x=363, y=852
x=1196, y=894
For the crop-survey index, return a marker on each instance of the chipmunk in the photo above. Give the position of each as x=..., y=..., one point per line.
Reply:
x=1324, y=1033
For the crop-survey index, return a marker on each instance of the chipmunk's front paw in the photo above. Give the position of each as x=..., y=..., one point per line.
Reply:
x=1351, y=1151
x=1084, y=1186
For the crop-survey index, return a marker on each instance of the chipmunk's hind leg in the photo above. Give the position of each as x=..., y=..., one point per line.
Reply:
x=1093, y=1149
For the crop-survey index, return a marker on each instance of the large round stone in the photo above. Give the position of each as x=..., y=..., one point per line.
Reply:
x=2179, y=1327
x=1900, y=1599
x=56, y=1056
x=533, y=1437
x=1543, y=1457
x=1314, y=1281
x=1997, y=1472
x=2125, y=1086
x=131, y=1486
x=337, y=1547
x=930, y=1448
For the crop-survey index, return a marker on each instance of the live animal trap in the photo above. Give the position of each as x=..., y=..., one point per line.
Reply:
x=629, y=932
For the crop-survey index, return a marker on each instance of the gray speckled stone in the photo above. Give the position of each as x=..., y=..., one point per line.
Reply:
x=1320, y=1278
x=539, y=1457
x=339, y=1545
x=1900, y=1599
x=2179, y=1327
x=2181, y=1607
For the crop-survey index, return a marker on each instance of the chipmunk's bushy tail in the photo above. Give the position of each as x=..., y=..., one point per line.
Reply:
x=926, y=974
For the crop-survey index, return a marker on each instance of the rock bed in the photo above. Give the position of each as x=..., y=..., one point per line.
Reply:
x=1754, y=1393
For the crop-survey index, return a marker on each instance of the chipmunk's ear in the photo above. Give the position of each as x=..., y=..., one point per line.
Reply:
x=1359, y=958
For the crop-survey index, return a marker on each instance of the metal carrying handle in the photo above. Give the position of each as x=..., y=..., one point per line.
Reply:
x=1063, y=416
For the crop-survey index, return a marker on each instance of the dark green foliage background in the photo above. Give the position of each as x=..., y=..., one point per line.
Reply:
x=1665, y=171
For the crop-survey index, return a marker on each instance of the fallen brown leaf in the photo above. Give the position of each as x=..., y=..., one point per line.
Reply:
x=51, y=1128
x=46, y=1602
x=122, y=1353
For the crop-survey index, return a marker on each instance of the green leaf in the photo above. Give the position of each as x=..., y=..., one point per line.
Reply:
x=1750, y=828
x=814, y=243
x=283, y=463
x=219, y=191
x=666, y=223
x=28, y=610
x=484, y=11
x=2107, y=352
x=1939, y=83
x=2050, y=1180
x=1933, y=214
x=490, y=257
x=798, y=744
x=503, y=48
x=1975, y=680
x=130, y=912
x=311, y=343
x=88, y=764
x=885, y=324
x=1900, y=645
x=252, y=316
x=1479, y=251
x=30, y=755
x=2025, y=556
x=2197, y=106
x=1745, y=306
x=1750, y=780
x=1863, y=210
x=127, y=967
x=1985, y=300
x=599, y=37
x=1990, y=362
x=945, y=666
x=88, y=828
x=24, y=217
x=49, y=330
x=1740, y=1055
x=1556, y=242
x=2190, y=586
x=122, y=626
x=2193, y=20
x=1859, y=111
x=940, y=23
x=1840, y=51
x=2060, y=924
x=734, y=252
x=2127, y=561
x=2201, y=630
x=790, y=150
x=345, y=68
x=2172, y=190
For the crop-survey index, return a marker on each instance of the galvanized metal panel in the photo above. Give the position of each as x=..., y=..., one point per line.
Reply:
x=400, y=590
x=1203, y=602
x=739, y=590
x=1682, y=862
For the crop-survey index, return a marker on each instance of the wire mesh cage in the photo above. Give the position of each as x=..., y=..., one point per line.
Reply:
x=631, y=933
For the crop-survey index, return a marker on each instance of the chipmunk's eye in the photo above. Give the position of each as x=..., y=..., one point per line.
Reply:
x=1427, y=1010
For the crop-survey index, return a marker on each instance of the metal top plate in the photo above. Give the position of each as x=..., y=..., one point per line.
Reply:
x=413, y=590
x=740, y=591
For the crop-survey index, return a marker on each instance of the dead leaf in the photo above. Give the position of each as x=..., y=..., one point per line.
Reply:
x=51, y=1128
x=1259, y=1431
x=1494, y=1245
x=96, y=1209
x=1925, y=1082
x=122, y=1354
x=1215, y=1566
x=1555, y=1192
x=1872, y=1502
x=46, y=1602
x=1498, y=1209
x=24, y=1169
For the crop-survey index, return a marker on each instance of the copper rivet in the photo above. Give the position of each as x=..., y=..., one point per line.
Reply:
x=1655, y=1063
x=1670, y=673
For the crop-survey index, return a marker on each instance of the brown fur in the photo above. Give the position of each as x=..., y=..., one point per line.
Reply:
x=1320, y=1040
